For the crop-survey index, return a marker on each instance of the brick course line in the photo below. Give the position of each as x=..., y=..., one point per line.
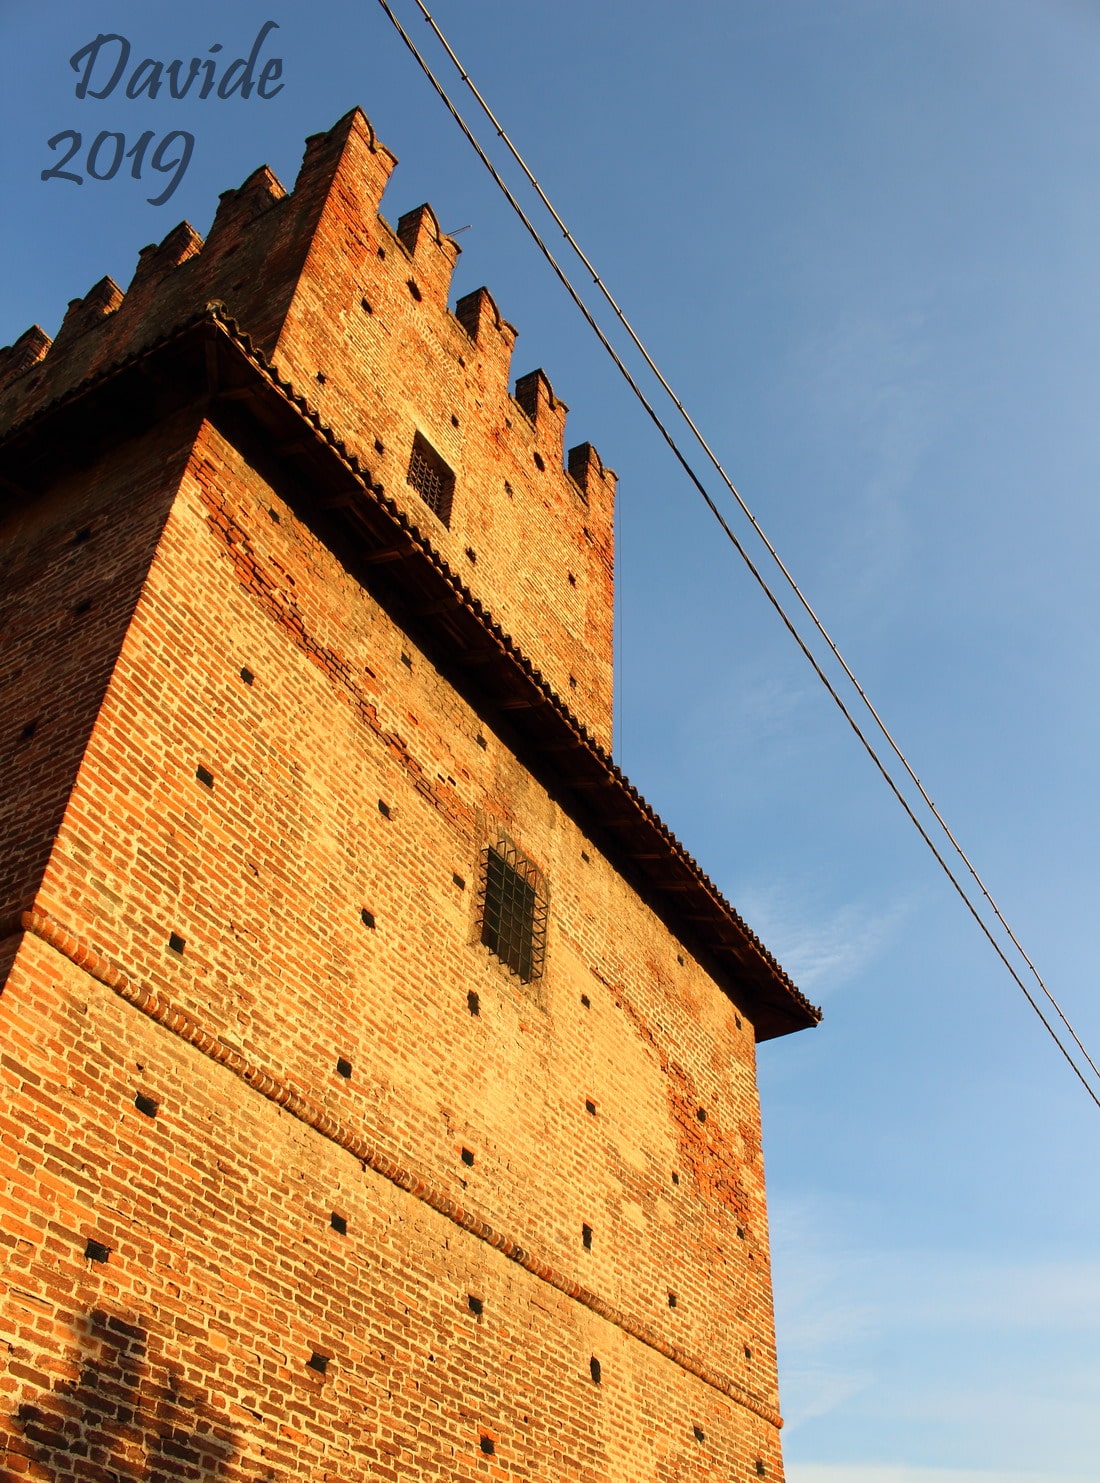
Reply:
x=52, y=932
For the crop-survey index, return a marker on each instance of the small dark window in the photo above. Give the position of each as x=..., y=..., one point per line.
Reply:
x=431, y=478
x=513, y=910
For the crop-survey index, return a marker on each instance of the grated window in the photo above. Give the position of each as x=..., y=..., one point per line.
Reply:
x=431, y=478
x=514, y=910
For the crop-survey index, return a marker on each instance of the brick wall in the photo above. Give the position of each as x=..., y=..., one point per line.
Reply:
x=261, y=870
x=186, y=1353
x=299, y=1181
x=71, y=568
x=355, y=316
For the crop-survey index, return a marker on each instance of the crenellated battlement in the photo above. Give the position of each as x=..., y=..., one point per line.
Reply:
x=479, y=316
x=251, y=260
x=102, y=299
x=433, y=255
x=354, y=314
x=31, y=347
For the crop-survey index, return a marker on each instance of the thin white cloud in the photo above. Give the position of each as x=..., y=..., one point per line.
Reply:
x=870, y=375
x=813, y=1472
x=943, y=1290
x=937, y=1344
x=820, y=950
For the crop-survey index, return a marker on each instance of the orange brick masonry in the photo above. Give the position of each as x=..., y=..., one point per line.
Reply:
x=297, y=1180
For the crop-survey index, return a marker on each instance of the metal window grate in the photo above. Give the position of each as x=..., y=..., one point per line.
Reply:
x=431, y=478
x=514, y=910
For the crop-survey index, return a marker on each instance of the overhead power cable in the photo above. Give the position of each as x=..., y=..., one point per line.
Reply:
x=620, y=315
x=733, y=539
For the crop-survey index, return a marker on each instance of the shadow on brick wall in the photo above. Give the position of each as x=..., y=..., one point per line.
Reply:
x=127, y=1415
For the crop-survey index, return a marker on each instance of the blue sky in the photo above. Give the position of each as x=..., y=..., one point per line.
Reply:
x=862, y=240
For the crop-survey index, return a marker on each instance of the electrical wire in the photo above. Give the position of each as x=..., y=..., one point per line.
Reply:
x=747, y=512
x=735, y=542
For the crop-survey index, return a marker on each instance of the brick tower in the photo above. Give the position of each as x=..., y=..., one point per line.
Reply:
x=378, y=1094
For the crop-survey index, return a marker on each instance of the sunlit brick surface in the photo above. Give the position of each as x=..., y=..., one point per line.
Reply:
x=296, y=1171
